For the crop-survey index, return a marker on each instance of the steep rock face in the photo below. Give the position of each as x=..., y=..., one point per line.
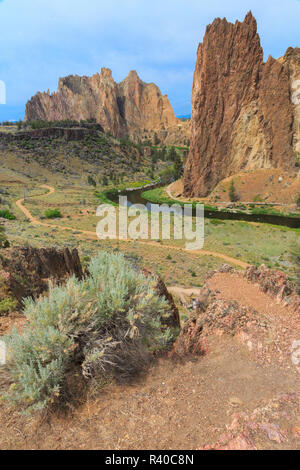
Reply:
x=292, y=60
x=80, y=98
x=144, y=106
x=131, y=107
x=242, y=111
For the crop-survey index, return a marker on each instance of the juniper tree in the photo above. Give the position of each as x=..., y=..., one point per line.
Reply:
x=232, y=192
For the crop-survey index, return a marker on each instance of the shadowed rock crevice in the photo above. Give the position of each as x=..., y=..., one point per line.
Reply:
x=28, y=270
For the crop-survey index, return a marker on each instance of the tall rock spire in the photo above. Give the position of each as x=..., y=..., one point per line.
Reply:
x=241, y=110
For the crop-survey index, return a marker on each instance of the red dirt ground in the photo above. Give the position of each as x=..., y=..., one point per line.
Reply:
x=226, y=398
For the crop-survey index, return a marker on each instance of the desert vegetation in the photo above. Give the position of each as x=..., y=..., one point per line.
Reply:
x=3, y=239
x=53, y=214
x=6, y=214
x=109, y=323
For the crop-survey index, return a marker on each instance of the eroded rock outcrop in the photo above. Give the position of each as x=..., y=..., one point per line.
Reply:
x=27, y=270
x=174, y=320
x=245, y=113
x=130, y=108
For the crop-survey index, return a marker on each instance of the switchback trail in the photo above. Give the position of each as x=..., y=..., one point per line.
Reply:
x=93, y=235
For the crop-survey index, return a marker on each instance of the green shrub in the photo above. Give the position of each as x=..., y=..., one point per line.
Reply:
x=233, y=197
x=258, y=198
x=91, y=181
x=298, y=200
x=7, y=305
x=109, y=323
x=6, y=214
x=216, y=222
x=53, y=214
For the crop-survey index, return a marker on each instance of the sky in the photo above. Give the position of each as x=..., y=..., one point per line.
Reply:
x=42, y=40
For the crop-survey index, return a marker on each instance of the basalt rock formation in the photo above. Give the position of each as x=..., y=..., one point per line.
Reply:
x=131, y=108
x=245, y=113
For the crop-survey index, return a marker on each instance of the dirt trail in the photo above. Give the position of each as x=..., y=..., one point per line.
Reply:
x=184, y=294
x=93, y=235
x=175, y=406
x=234, y=287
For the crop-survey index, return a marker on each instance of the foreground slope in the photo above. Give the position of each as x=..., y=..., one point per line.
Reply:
x=237, y=389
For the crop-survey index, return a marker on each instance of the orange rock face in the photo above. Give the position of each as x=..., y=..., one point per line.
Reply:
x=130, y=108
x=245, y=113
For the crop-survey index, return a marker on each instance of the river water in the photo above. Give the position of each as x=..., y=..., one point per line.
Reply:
x=135, y=197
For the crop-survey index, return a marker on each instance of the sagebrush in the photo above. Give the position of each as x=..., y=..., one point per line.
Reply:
x=110, y=322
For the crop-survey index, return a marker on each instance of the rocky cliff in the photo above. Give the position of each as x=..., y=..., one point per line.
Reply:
x=245, y=113
x=130, y=108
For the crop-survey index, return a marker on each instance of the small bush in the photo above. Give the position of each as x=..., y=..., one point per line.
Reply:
x=257, y=198
x=53, y=214
x=91, y=181
x=6, y=214
x=298, y=200
x=216, y=222
x=7, y=306
x=232, y=192
x=108, y=323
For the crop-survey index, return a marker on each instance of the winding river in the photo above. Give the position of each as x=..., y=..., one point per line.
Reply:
x=134, y=196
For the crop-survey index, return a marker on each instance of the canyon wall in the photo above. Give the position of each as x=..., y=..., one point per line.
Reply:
x=245, y=113
x=131, y=108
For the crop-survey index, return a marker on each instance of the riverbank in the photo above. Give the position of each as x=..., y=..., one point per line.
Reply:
x=248, y=213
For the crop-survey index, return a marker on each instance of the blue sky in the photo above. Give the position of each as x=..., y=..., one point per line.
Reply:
x=42, y=40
